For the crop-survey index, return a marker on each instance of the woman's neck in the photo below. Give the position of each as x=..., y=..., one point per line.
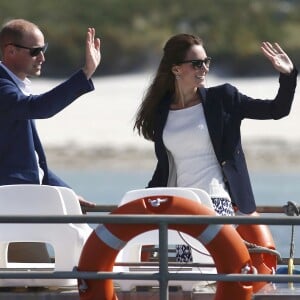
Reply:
x=184, y=100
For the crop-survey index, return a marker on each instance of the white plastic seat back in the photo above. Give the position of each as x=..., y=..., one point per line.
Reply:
x=70, y=201
x=132, y=251
x=179, y=192
x=30, y=199
x=67, y=240
x=204, y=197
x=72, y=207
x=195, y=194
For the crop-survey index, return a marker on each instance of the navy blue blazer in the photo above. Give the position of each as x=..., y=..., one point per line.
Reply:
x=224, y=108
x=19, y=139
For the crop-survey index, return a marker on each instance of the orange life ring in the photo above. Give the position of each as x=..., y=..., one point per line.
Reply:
x=222, y=241
x=260, y=235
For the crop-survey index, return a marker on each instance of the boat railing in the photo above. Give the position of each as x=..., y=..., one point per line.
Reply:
x=162, y=276
x=260, y=209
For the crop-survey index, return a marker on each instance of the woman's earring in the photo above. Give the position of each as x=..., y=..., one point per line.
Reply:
x=177, y=76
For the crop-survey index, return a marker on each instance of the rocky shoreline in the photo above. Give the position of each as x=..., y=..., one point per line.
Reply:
x=260, y=155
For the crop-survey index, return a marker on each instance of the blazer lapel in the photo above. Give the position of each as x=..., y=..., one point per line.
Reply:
x=213, y=114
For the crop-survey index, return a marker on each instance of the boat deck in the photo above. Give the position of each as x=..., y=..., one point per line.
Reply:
x=280, y=291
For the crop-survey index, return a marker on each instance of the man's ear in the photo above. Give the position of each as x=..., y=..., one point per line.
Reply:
x=10, y=49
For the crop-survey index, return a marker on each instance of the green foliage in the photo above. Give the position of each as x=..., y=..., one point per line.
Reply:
x=133, y=31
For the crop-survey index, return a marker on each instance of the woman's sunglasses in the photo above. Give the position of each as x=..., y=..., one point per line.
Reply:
x=197, y=63
x=32, y=51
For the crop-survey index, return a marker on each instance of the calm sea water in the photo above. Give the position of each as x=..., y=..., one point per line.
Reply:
x=270, y=188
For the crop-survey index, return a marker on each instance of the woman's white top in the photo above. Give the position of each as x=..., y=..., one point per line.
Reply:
x=186, y=136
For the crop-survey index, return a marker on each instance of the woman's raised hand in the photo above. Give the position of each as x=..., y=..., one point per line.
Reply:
x=279, y=59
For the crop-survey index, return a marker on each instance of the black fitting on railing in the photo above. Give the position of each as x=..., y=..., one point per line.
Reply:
x=291, y=209
x=82, y=286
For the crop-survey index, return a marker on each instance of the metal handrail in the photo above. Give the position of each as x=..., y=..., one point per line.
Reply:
x=150, y=219
x=163, y=275
x=278, y=278
x=259, y=209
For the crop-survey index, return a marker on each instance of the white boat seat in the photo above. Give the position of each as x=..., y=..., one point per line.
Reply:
x=72, y=207
x=67, y=240
x=132, y=252
x=189, y=193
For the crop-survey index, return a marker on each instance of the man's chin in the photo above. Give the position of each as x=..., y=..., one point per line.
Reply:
x=201, y=85
x=35, y=74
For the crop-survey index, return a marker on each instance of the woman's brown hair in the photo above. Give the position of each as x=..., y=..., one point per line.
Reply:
x=175, y=50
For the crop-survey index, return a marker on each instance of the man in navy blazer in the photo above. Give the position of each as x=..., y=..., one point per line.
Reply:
x=22, y=158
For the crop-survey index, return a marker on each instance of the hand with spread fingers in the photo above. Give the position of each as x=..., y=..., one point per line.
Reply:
x=92, y=54
x=278, y=57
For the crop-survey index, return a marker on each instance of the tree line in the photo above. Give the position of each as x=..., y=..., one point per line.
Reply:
x=133, y=32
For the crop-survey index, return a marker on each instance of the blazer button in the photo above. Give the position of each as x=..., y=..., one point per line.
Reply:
x=223, y=163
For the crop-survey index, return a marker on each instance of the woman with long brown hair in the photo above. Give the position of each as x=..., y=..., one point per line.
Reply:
x=196, y=129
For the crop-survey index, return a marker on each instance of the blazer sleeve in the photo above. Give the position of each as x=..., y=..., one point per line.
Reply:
x=53, y=179
x=277, y=108
x=14, y=105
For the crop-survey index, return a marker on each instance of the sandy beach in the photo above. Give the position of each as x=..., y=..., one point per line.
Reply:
x=96, y=130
